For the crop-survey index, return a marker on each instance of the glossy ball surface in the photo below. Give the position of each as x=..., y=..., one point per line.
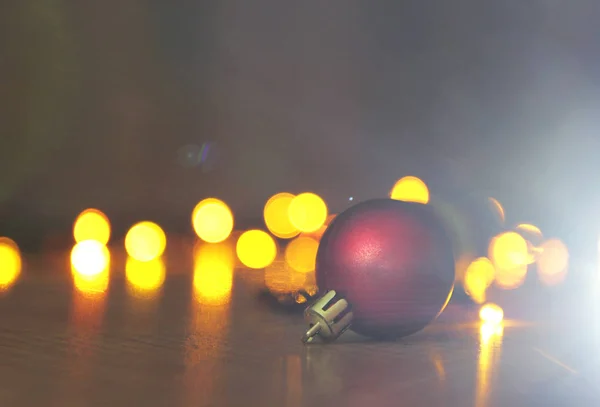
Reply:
x=392, y=261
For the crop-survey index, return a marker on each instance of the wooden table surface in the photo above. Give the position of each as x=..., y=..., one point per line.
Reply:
x=217, y=341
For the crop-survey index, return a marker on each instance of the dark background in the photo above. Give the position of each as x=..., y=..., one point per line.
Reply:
x=99, y=100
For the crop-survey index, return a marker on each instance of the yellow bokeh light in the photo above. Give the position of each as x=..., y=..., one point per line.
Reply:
x=145, y=277
x=282, y=279
x=213, y=273
x=90, y=257
x=92, y=224
x=90, y=263
x=145, y=241
x=491, y=314
x=478, y=277
x=552, y=262
x=307, y=212
x=10, y=263
x=511, y=255
x=256, y=249
x=276, y=215
x=301, y=254
x=509, y=250
x=410, y=189
x=212, y=220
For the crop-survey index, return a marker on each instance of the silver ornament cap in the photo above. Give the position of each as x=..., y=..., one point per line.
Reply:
x=328, y=318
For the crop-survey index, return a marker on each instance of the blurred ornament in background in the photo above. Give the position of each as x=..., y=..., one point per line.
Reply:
x=387, y=262
x=478, y=278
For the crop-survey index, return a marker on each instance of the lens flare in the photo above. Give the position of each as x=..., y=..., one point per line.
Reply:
x=145, y=277
x=10, y=263
x=276, y=215
x=301, y=254
x=212, y=220
x=92, y=224
x=491, y=314
x=256, y=249
x=213, y=273
x=410, y=189
x=307, y=212
x=145, y=241
x=552, y=262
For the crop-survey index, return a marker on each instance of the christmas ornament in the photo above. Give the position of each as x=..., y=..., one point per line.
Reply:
x=386, y=269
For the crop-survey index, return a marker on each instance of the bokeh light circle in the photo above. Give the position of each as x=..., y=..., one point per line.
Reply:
x=90, y=257
x=212, y=220
x=410, y=189
x=276, y=215
x=92, y=224
x=491, y=314
x=10, y=262
x=301, y=254
x=145, y=241
x=307, y=212
x=256, y=249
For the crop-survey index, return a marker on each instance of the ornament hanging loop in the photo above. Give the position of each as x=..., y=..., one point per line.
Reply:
x=328, y=318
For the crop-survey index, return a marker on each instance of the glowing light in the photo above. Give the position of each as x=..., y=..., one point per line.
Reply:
x=478, y=277
x=10, y=263
x=277, y=218
x=497, y=208
x=410, y=189
x=301, y=254
x=318, y=234
x=90, y=263
x=307, y=212
x=213, y=273
x=212, y=220
x=90, y=257
x=552, y=262
x=510, y=254
x=145, y=241
x=145, y=277
x=256, y=249
x=491, y=314
x=281, y=279
x=91, y=224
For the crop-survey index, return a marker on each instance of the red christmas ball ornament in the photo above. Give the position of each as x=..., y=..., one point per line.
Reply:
x=386, y=268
